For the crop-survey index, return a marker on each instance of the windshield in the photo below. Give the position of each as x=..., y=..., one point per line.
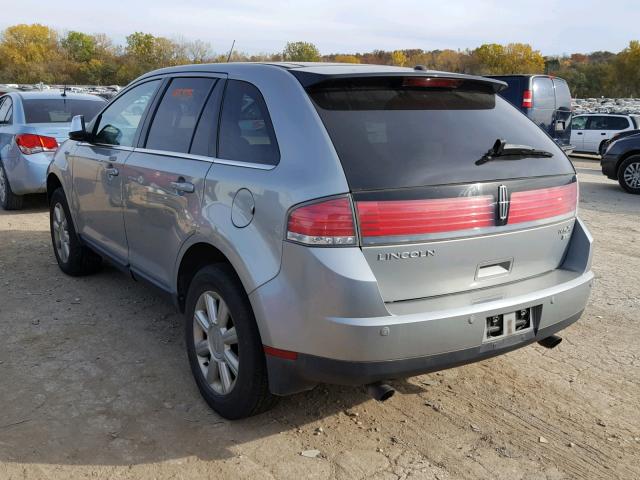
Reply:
x=391, y=133
x=54, y=110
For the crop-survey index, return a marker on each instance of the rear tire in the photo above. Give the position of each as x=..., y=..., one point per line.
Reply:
x=73, y=258
x=8, y=199
x=223, y=345
x=629, y=174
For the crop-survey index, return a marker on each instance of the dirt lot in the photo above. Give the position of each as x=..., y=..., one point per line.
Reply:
x=94, y=382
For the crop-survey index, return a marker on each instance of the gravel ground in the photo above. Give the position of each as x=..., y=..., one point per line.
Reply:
x=94, y=382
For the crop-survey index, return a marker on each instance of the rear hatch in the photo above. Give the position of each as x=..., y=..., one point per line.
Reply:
x=433, y=217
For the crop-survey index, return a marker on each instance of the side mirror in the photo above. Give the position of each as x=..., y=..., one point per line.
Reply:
x=78, y=129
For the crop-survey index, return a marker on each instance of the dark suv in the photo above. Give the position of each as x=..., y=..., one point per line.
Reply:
x=546, y=100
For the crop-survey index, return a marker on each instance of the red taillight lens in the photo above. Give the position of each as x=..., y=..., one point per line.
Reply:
x=29, y=143
x=527, y=99
x=328, y=223
x=420, y=217
x=429, y=82
x=543, y=203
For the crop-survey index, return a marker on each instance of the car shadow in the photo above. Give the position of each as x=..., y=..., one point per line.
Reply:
x=93, y=371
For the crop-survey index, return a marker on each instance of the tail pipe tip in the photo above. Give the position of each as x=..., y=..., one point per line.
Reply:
x=551, y=342
x=380, y=391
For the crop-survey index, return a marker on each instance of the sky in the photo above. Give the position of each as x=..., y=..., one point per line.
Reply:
x=347, y=26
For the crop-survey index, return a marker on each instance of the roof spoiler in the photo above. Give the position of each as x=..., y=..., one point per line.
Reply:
x=308, y=79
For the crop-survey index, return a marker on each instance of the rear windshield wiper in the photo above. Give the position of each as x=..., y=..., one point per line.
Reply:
x=507, y=151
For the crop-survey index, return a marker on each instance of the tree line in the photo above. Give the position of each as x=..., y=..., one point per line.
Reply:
x=37, y=53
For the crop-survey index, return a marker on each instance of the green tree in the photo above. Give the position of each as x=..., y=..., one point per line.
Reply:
x=625, y=74
x=300, y=52
x=79, y=46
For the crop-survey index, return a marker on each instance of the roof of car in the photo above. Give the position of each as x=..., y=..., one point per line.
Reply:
x=312, y=72
x=50, y=95
x=591, y=114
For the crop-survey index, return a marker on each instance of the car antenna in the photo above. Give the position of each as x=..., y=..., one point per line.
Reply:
x=64, y=91
x=231, y=51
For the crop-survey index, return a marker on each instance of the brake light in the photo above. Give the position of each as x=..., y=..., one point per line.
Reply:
x=543, y=203
x=327, y=223
x=29, y=143
x=430, y=82
x=420, y=217
x=527, y=99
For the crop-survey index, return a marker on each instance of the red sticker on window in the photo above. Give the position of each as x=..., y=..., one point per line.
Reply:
x=183, y=92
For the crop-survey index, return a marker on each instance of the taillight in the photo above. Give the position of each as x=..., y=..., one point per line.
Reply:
x=421, y=217
x=527, y=99
x=29, y=143
x=326, y=223
x=431, y=82
x=543, y=203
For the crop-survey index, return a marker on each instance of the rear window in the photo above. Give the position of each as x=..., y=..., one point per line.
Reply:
x=390, y=133
x=60, y=110
x=514, y=91
x=543, y=94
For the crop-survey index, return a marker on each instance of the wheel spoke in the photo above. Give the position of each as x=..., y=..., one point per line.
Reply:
x=65, y=249
x=211, y=308
x=231, y=361
x=57, y=214
x=225, y=377
x=202, y=320
x=202, y=349
x=230, y=337
x=212, y=372
x=223, y=314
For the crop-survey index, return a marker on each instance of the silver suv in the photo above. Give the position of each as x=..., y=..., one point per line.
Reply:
x=322, y=223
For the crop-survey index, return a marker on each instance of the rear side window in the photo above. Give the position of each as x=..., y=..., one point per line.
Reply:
x=563, y=95
x=616, y=123
x=205, y=139
x=177, y=115
x=54, y=110
x=392, y=133
x=246, y=132
x=543, y=94
x=5, y=106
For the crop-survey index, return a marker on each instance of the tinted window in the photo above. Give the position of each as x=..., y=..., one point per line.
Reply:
x=60, y=110
x=388, y=135
x=205, y=139
x=5, y=104
x=597, y=123
x=563, y=95
x=118, y=123
x=616, y=123
x=579, y=123
x=246, y=133
x=543, y=94
x=178, y=113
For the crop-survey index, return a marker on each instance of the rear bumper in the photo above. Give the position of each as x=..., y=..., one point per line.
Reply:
x=29, y=173
x=331, y=313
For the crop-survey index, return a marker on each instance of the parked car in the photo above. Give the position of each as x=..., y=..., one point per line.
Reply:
x=621, y=162
x=590, y=132
x=31, y=127
x=313, y=230
x=546, y=100
x=618, y=136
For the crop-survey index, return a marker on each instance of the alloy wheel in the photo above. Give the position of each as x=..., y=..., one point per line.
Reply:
x=61, y=233
x=216, y=342
x=631, y=175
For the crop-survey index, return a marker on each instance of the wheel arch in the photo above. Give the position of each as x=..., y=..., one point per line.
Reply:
x=624, y=157
x=53, y=183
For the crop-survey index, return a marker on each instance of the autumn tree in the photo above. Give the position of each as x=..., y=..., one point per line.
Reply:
x=301, y=52
x=398, y=58
x=29, y=53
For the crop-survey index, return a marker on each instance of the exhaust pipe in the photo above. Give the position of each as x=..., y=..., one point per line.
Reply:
x=380, y=391
x=550, y=342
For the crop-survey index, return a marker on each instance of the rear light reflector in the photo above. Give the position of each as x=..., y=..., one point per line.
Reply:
x=420, y=217
x=429, y=82
x=29, y=143
x=328, y=223
x=527, y=99
x=276, y=352
x=543, y=203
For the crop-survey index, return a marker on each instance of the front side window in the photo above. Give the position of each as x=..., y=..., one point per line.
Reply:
x=59, y=110
x=178, y=113
x=118, y=123
x=246, y=132
x=579, y=123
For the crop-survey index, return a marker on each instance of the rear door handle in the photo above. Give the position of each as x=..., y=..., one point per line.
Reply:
x=579, y=133
x=602, y=133
x=111, y=171
x=183, y=187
